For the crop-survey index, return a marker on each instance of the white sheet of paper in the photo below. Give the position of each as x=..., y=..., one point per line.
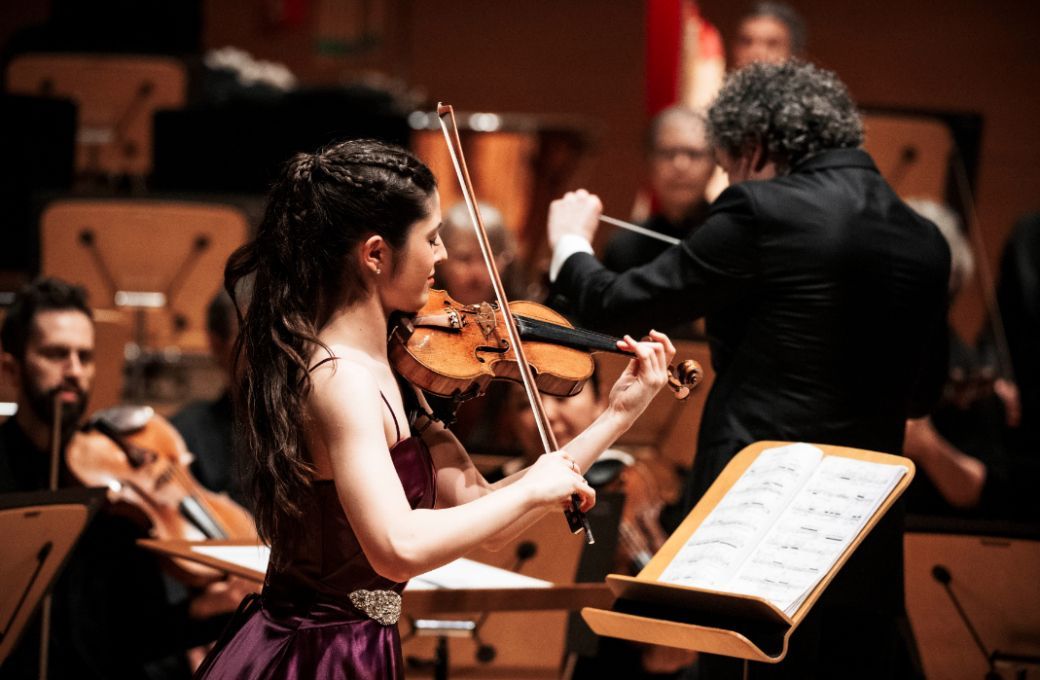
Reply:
x=253, y=557
x=462, y=573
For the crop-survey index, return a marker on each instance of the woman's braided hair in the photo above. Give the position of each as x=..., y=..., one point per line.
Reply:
x=794, y=110
x=298, y=268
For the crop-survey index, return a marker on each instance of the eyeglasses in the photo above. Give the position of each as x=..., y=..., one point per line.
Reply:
x=673, y=153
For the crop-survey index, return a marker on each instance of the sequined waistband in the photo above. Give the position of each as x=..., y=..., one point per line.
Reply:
x=382, y=606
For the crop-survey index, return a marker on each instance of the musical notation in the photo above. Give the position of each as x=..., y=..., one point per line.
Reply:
x=783, y=524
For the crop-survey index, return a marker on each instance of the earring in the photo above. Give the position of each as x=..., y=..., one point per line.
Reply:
x=379, y=270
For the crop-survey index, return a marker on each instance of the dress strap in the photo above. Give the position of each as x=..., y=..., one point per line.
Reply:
x=393, y=415
x=323, y=361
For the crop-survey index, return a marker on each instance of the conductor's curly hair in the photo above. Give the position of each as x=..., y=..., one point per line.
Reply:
x=794, y=109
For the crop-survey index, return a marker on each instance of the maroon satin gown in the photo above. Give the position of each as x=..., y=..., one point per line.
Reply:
x=303, y=624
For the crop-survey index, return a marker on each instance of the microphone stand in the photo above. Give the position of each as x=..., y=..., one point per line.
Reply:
x=943, y=576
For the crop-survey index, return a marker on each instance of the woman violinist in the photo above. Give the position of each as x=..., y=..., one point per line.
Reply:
x=356, y=489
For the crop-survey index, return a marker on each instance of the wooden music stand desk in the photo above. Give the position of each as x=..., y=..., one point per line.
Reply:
x=651, y=611
x=39, y=529
x=420, y=603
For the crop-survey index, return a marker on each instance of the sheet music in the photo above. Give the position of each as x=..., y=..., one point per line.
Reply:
x=724, y=540
x=815, y=529
x=783, y=525
x=464, y=573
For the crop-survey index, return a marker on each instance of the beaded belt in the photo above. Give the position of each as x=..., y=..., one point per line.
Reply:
x=383, y=606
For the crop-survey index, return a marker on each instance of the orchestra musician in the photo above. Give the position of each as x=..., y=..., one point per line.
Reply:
x=825, y=299
x=356, y=488
x=771, y=32
x=111, y=615
x=679, y=167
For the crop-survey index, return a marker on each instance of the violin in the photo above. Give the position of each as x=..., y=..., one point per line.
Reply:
x=576, y=519
x=455, y=350
x=143, y=462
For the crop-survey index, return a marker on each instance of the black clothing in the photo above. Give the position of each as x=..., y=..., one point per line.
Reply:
x=626, y=250
x=208, y=431
x=972, y=418
x=1018, y=294
x=825, y=304
x=110, y=617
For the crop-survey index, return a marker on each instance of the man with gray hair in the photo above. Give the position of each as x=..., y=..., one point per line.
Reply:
x=824, y=297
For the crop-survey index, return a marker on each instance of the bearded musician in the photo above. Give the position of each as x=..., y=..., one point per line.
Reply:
x=111, y=616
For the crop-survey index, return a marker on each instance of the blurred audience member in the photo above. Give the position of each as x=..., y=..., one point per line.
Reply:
x=568, y=416
x=680, y=167
x=770, y=32
x=207, y=425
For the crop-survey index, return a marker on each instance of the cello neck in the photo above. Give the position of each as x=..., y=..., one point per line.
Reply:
x=576, y=338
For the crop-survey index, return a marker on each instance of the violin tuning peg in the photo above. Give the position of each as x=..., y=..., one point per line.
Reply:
x=684, y=377
x=690, y=373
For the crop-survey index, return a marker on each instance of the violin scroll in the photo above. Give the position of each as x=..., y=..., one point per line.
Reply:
x=683, y=377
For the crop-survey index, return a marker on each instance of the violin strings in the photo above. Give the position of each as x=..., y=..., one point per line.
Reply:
x=574, y=337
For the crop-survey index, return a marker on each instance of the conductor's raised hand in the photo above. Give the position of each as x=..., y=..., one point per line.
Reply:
x=644, y=376
x=554, y=477
x=576, y=213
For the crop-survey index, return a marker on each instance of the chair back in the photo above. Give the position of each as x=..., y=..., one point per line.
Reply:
x=116, y=97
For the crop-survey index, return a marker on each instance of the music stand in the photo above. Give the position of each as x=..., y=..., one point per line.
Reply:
x=245, y=561
x=160, y=261
x=39, y=529
x=912, y=153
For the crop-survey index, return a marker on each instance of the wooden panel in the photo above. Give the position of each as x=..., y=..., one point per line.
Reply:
x=995, y=580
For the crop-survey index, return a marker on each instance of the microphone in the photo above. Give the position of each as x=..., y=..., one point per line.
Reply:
x=525, y=550
x=908, y=156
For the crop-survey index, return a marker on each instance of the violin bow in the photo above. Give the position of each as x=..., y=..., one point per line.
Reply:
x=576, y=519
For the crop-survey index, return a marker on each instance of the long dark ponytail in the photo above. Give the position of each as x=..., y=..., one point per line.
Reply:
x=322, y=206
